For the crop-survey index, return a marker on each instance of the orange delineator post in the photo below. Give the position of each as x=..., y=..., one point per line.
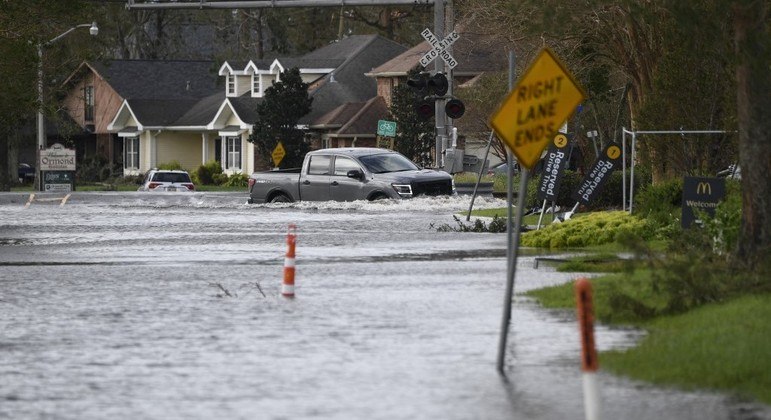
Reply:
x=287, y=287
x=589, y=361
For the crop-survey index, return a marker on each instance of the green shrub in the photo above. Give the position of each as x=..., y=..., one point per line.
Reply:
x=95, y=169
x=660, y=203
x=593, y=229
x=205, y=173
x=170, y=166
x=237, y=180
x=220, y=179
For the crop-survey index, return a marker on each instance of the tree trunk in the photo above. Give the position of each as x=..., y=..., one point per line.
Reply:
x=753, y=52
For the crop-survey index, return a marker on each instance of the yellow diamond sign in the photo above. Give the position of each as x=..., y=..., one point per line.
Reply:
x=278, y=154
x=543, y=100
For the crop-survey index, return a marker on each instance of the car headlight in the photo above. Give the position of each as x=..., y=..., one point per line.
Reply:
x=404, y=190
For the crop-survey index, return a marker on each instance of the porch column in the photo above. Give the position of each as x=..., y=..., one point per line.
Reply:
x=154, y=149
x=204, y=148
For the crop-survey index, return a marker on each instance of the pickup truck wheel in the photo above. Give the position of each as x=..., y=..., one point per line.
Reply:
x=378, y=196
x=280, y=198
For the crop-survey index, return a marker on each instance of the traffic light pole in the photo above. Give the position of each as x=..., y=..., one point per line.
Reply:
x=439, y=113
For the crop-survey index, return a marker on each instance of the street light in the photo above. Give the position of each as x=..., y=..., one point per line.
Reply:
x=41, y=137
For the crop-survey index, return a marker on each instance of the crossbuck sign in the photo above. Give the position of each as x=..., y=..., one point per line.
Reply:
x=439, y=48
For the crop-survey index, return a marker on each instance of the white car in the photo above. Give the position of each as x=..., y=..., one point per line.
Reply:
x=166, y=180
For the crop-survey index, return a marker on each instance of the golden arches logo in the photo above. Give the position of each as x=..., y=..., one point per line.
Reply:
x=704, y=188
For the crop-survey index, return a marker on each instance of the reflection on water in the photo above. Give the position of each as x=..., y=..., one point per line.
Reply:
x=113, y=307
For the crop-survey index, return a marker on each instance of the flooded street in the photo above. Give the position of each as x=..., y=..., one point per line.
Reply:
x=114, y=306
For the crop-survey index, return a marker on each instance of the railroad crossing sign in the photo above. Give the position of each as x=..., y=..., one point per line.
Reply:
x=278, y=154
x=386, y=128
x=439, y=48
x=542, y=101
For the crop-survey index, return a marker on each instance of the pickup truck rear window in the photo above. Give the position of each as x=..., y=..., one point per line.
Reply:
x=319, y=165
x=387, y=162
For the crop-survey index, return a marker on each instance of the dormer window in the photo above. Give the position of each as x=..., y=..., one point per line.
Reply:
x=255, y=85
x=231, y=85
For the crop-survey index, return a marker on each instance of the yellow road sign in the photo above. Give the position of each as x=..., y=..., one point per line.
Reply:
x=543, y=100
x=278, y=154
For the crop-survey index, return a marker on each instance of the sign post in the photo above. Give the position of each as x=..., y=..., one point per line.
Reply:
x=386, y=128
x=702, y=194
x=598, y=174
x=439, y=48
x=57, y=165
x=531, y=114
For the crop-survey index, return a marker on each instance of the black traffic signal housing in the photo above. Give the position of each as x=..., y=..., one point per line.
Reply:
x=430, y=88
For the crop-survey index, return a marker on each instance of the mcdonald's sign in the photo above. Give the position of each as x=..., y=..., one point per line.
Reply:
x=700, y=195
x=704, y=188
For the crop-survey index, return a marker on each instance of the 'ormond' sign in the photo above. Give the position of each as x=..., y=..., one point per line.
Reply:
x=57, y=158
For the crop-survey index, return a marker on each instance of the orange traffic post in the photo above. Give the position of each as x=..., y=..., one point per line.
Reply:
x=589, y=362
x=287, y=287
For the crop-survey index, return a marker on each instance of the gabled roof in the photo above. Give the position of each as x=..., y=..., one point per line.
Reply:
x=354, y=118
x=159, y=112
x=348, y=83
x=155, y=79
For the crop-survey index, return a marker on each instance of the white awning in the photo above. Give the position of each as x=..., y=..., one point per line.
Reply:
x=129, y=132
x=231, y=131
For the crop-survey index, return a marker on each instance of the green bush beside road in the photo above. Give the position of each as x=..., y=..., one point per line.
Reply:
x=707, y=313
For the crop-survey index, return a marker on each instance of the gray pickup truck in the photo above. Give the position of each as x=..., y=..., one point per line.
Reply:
x=348, y=174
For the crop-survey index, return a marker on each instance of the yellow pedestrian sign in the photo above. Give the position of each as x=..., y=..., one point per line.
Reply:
x=539, y=105
x=278, y=154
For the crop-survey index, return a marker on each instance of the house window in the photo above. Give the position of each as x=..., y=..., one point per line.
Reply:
x=231, y=85
x=233, y=145
x=255, y=84
x=131, y=153
x=88, y=106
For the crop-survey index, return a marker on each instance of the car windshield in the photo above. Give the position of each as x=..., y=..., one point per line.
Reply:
x=171, y=177
x=387, y=162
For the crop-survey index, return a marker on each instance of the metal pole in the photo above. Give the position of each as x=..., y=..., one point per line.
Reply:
x=439, y=113
x=623, y=168
x=511, y=237
x=513, y=250
x=631, y=175
x=41, y=143
x=479, y=177
x=540, y=218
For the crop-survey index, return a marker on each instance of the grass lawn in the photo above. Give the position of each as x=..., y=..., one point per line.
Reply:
x=723, y=346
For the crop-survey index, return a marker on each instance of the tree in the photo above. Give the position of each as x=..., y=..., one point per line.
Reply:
x=277, y=115
x=752, y=42
x=414, y=135
x=23, y=25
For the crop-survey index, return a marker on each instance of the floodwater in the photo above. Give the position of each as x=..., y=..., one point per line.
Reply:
x=168, y=306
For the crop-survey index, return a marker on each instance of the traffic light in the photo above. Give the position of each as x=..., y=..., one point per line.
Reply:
x=438, y=85
x=430, y=88
x=454, y=108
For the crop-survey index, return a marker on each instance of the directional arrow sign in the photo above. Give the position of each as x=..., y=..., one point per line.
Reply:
x=531, y=114
x=438, y=48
